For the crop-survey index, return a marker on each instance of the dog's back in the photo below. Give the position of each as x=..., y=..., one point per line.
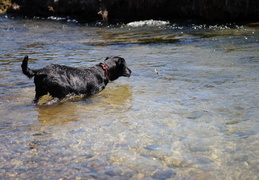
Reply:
x=62, y=80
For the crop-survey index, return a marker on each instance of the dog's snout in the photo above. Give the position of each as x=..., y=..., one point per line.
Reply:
x=127, y=72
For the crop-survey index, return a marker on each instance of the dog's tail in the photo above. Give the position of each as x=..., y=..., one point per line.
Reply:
x=27, y=71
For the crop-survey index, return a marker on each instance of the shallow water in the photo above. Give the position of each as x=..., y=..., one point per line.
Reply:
x=189, y=111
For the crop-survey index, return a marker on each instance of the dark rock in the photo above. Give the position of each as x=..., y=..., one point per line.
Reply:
x=164, y=174
x=153, y=147
x=96, y=163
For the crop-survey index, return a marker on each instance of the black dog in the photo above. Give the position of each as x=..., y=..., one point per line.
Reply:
x=59, y=81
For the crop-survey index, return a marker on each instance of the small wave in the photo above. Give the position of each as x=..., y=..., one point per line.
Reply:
x=56, y=18
x=151, y=23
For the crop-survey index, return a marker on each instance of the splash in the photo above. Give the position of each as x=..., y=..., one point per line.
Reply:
x=150, y=23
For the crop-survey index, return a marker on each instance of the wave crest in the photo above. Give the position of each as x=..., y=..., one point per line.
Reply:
x=150, y=23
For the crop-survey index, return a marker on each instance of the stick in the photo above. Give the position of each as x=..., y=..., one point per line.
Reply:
x=162, y=75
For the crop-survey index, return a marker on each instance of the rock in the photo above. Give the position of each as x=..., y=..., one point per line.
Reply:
x=96, y=163
x=4, y=6
x=167, y=174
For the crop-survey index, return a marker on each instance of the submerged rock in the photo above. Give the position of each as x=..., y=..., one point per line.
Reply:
x=222, y=10
x=164, y=174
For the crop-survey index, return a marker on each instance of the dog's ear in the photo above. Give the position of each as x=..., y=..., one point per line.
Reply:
x=121, y=61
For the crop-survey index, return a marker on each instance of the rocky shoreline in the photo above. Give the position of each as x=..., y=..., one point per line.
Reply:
x=92, y=10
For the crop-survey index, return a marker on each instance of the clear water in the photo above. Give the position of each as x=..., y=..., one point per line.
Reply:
x=189, y=111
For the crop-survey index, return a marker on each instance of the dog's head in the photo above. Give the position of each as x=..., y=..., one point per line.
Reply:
x=117, y=67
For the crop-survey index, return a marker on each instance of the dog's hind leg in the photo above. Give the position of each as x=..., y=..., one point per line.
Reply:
x=39, y=89
x=39, y=93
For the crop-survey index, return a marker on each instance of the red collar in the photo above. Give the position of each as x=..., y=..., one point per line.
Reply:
x=105, y=68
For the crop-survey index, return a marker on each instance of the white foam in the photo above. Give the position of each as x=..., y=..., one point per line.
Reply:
x=56, y=18
x=151, y=23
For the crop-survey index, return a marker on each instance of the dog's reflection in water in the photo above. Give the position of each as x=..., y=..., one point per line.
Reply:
x=115, y=98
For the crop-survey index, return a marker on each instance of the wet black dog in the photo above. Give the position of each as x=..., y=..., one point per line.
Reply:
x=60, y=81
